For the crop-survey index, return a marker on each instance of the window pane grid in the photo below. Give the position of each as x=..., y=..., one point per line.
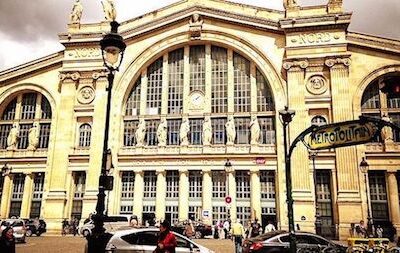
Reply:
x=264, y=96
x=219, y=80
x=4, y=131
x=244, y=214
x=267, y=181
x=46, y=108
x=9, y=112
x=150, y=184
x=395, y=118
x=197, y=68
x=38, y=184
x=242, y=130
x=129, y=132
x=133, y=102
x=219, y=214
x=175, y=87
x=151, y=132
x=370, y=99
x=18, y=187
x=127, y=192
x=154, y=87
x=173, y=127
x=195, y=184
x=23, y=135
x=218, y=129
x=196, y=131
x=172, y=179
x=242, y=184
x=378, y=195
x=28, y=106
x=172, y=211
x=85, y=132
x=267, y=125
x=241, y=76
x=218, y=184
x=79, y=185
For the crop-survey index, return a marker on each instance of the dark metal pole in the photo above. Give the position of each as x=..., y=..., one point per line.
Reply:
x=292, y=236
x=369, y=218
x=317, y=215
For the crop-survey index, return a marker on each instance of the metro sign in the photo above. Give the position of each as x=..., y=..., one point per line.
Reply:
x=228, y=199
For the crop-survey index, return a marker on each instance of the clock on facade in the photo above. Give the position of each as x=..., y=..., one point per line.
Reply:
x=197, y=99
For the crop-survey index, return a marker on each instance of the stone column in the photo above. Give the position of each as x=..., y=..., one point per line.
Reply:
x=27, y=198
x=138, y=194
x=183, y=194
x=301, y=183
x=393, y=194
x=161, y=194
x=207, y=194
x=232, y=193
x=6, y=195
x=255, y=194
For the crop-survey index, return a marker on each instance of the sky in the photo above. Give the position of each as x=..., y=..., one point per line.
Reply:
x=29, y=29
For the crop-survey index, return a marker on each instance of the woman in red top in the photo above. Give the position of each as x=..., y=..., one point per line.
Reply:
x=166, y=240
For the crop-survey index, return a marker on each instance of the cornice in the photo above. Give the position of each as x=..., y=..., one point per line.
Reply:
x=374, y=42
x=32, y=66
x=335, y=20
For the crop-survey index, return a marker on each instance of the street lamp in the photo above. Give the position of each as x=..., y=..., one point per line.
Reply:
x=286, y=117
x=364, y=166
x=228, y=199
x=5, y=170
x=113, y=48
x=312, y=155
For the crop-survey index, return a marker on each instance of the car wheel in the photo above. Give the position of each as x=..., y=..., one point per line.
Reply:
x=28, y=233
x=198, y=235
x=85, y=233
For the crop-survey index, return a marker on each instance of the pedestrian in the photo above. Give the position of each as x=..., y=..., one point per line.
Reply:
x=361, y=230
x=247, y=230
x=75, y=225
x=270, y=227
x=64, y=224
x=238, y=234
x=166, y=240
x=221, y=233
x=133, y=222
x=189, y=229
x=352, y=229
x=255, y=228
x=7, y=241
x=379, y=231
x=226, y=228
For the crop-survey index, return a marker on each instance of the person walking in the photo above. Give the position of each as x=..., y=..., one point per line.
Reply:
x=255, y=228
x=189, y=229
x=238, y=234
x=7, y=241
x=270, y=227
x=166, y=240
x=227, y=226
x=64, y=227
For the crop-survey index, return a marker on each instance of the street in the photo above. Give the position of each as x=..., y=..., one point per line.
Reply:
x=70, y=244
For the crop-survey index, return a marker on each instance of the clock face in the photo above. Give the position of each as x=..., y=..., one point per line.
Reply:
x=197, y=98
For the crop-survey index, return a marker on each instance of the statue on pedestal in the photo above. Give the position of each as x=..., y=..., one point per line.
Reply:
x=230, y=131
x=110, y=14
x=195, y=26
x=183, y=132
x=290, y=4
x=387, y=132
x=207, y=131
x=255, y=131
x=162, y=133
x=13, y=138
x=76, y=13
x=33, y=137
x=140, y=133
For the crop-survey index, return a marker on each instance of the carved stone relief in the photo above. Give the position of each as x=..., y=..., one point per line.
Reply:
x=86, y=95
x=317, y=85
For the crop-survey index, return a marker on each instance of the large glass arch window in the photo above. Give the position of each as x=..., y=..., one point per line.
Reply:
x=29, y=113
x=205, y=84
x=381, y=99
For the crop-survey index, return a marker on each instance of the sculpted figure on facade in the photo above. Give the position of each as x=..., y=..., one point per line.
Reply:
x=33, y=137
x=255, y=131
x=207, y=131
x=230, y=131
x=110, y=13
x=183, y=132
x=195, y=26
x=140, y=133
x=76, y=13
x=290, y=3
x=162, y=133
x=13, y=138
x=387, y=132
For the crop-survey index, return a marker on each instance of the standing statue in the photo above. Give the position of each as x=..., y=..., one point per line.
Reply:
x=110, y=13
x=140, y=133
x=183, y=132
x=13, y=138
x=387, y=132
x=33, y=137
x=76, y=13
x=162, y=133
x=255, y=131
x=290, y=3
x=207, y=131
x=230, y=130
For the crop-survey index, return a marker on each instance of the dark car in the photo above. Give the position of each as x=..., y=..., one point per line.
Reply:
x=35, y=229
x=278, y=241
x=201, y=229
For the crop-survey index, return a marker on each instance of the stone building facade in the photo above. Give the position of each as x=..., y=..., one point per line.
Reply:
x=202, y=82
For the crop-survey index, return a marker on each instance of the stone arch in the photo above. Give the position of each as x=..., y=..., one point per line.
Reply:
x=7, y=95
x=367, y=81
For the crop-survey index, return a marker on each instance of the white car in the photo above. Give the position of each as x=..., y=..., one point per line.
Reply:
x=144, y=240
x=18, y=226
x=111, y=224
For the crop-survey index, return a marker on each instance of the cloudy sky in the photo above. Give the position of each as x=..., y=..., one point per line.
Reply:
x=28, y=29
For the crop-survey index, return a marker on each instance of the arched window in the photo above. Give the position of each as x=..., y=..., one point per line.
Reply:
x=318, y=120
x=85, y=132
x=192, y=82
x=381, y=99
x=24, y=111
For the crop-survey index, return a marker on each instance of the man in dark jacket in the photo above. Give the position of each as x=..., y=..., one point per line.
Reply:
x=166, y=240
x=7, y=241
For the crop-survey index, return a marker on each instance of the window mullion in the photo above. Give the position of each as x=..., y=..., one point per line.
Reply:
x=38, y=112
x=207, y=108
x=253, y=87
x=230, y=81
x=165, y=81
x=186, y=79
x=143, y=92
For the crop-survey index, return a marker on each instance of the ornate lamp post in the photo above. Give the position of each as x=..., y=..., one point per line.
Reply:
x=364, y=166
x=286, y=117
x=228, y=169
x=112, y=47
